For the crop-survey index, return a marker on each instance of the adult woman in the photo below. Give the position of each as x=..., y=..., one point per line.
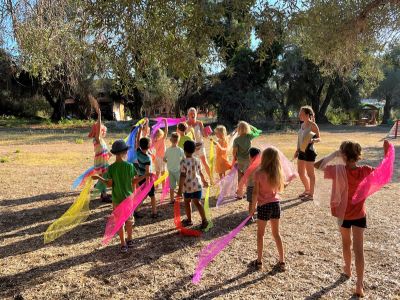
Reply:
x=198, y=132
x=305, y=153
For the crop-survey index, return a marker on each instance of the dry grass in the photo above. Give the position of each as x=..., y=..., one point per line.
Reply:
x=35, y=191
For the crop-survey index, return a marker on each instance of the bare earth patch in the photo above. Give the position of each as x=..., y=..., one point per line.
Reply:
x=35, y=190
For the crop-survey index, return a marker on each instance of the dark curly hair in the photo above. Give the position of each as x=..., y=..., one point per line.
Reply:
x=352, y=150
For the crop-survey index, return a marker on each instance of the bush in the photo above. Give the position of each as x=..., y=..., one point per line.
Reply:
x=35, y=106
x=338, y=116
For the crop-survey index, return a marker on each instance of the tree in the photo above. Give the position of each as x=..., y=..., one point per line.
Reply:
x=389, y=87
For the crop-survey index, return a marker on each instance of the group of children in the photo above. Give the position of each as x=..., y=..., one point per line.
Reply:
x=263, y=186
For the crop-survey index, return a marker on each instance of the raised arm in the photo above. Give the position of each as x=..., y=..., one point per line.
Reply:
x=98, y=132
x=165, y=129
x=137, y=138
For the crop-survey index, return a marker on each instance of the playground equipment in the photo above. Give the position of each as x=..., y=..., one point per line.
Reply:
x=395, y=130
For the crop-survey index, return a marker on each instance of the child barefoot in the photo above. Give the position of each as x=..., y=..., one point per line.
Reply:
x=268, y=181
x=173, y=157
x=159, y=147
x=253, y=154
x=241, y=147
x=120, y=177
x=221, y=158
x=144, y=168
x=101, y=154
x=351, y=217
x=190, y=183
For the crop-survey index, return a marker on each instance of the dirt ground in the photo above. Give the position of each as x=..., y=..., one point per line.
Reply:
x=36, y=173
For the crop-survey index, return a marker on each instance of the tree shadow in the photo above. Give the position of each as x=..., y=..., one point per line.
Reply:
x=42, y=197
x=317, y=295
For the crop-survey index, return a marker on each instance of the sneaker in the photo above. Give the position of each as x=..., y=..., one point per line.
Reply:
x=124, y=249
x=129, y=243
x=186, y=222
x=137, y=215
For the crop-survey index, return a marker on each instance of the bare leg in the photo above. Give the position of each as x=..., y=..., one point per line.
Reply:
x=128, y=225
x=206, y=167
x=200, y=208
x=153, y=205
x=260, y=238
x=188, y=209
x=158, y=173
x=358, y=248
x=346, y=243
x=301, y=169
x=311, y=176
x=277, y=238
x=171, y=195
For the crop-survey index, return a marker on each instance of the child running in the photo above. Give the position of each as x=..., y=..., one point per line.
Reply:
x=351, y=217
x=159, y=147
x=221, y=156
x=268, y=181
x=241, y=147
x=173, y=157
x=190, y=183
x=101, y=154
x=120, y=177
x=253, y=154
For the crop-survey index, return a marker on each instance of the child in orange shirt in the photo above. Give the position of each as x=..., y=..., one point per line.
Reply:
x=221, y=156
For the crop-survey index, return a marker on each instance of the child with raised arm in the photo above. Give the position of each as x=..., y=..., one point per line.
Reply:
x=221, y=156
x=268, y=182
x=190, y=183
x=173, y=157
x=121, y=178
x=351, y=217
x=159, y=147
x=101, y=153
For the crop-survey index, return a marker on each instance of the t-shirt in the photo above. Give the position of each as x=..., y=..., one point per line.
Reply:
x=354, y=178
x=183, y=139
x=143, y=160
x=190, y=166
x=266, y=193
x=121, y=173
x=243, y=145
x=174, y=155
x=159, y=147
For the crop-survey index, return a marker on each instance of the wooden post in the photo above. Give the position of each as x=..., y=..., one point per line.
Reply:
x=396, y=129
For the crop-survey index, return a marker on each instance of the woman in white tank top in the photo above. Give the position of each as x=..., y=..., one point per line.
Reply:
x=305, y=153
x=198, y=128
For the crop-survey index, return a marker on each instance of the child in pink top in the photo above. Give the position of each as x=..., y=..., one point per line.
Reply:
x=268, y=182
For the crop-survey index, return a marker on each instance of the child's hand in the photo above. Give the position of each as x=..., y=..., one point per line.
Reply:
x=296, y=154
x=96, y=177
x=179, y=194
x=386, y=145
x=205, y=184
x=252, y=211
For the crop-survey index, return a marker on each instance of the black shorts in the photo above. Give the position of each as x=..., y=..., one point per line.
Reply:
x=152, y=191
x=308, y=155
x=269, y=211
x=362, y=223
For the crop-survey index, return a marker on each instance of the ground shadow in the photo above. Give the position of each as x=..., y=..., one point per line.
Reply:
x=42, y=197
x=317, y=295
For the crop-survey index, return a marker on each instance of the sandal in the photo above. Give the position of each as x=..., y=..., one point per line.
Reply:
x=257, y=264
x=129, y=243
x=187, y=222
x=302, y=195
x=204, y=224
x=124, y=249
x=307, y=197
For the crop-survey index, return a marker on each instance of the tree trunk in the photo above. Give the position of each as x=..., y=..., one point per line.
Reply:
x=58, y=109
x=387, y=109
x=137, y=104
x=321, y=114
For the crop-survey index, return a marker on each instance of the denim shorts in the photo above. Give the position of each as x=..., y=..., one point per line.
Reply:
x=191, y=196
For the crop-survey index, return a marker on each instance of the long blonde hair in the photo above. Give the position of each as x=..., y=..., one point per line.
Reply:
x=271, y=165
x=243, y=128
x=222, y=129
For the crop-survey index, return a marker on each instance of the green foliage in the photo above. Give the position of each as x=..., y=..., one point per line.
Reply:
x=17, y=151
x=4, y=159
x=78, y=141
x=339, y=116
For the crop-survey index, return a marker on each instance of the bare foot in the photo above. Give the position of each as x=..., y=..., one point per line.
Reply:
x=359, y=291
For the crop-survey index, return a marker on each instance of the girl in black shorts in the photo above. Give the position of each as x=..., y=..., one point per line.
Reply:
x=268, y=182
x=305, y=153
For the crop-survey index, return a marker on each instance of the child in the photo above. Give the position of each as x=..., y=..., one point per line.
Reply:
x=353, y=221
x=101, y=154
x=120, y=177
x=173, y=157
x=190, y=183
x=144, y=168
x=221, y=158
x=159, y=147
x=268, y=181
x=253, y=154
x=183, y=137
x=241, y=147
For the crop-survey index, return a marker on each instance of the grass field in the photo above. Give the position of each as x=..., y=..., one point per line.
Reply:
x=37, y=168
